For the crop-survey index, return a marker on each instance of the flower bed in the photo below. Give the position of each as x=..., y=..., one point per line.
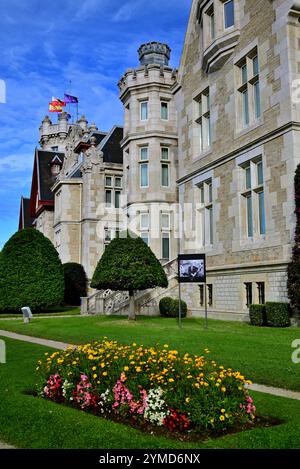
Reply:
x=148, y=385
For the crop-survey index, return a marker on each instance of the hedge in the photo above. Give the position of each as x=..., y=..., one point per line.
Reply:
x=257, y=315
x=278, y=314
x=169, y=307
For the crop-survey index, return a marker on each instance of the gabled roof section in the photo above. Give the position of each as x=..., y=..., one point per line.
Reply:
x=99, y=136
x=25, y=220
x=110, y=146
x=193, y=20
x=42, y=180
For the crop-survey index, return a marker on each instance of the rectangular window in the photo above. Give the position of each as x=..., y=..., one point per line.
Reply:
x=144, y=111
x=245, y=108
x=165, y=175
x=117, y=199
x=165, y=246
x=108, y=198
x=262, y=222
x=248, y=287
x=201, y=291
x=210, y=224
x=144, y=154
x=164, y=110
x=206, y=213
x=144, y=182
x=249, y=89
x=260, y=173
x=165, y=221
x=261, y=292
x=164, y=153
x=209, y=294
x=229, y=14
x=248, y=177
x=144, y=221
x=249, y=216
x=145, y=237
x=256, y=91
x=107, y=236
x=108, y=181
x=118, y=182
x=203, y=120
x=212, y=26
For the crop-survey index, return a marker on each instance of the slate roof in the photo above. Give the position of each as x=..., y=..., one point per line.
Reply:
x=25, y=220
x=99, y=136
x=110, y=146
x=45, y=176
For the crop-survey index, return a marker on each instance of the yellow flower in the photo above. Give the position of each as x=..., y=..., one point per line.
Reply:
x=126, y=368
x=91, y=357
x=171, y=380
x=166, y=346
x=223, y=389
x=187, y=400
x=222, y=418
x=94, y=368
x=102, y=365
x=104, y=373
x=223, y=411
x=95, y=376
x=138, y=369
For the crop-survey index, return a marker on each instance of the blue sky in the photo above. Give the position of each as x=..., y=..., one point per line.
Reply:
x=44, y=45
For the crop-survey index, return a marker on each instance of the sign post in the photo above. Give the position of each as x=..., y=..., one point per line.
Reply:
x=191, y=269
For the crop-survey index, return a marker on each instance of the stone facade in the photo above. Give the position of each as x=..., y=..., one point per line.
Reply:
x=249, y=161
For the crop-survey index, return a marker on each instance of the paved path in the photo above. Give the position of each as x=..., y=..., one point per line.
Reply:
x=5, y=446
x=62, y=346
x=20, y=318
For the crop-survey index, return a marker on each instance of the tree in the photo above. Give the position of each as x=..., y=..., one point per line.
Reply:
x=75, y=283
x=31, y=272
x=128, y=264
x=293, y=283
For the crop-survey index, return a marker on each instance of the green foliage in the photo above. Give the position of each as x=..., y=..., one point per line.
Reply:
x=293, y=283
x=278, y=314
x=31, y=272
x=75, y=283
x=128, y=264
x=257, y=315
x=169, y=307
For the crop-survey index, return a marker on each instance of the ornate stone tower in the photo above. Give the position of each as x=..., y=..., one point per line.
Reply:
x=150, y=148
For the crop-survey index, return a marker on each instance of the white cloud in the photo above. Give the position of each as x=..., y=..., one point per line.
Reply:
x=127, y=11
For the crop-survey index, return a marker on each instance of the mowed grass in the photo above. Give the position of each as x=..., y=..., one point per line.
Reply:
x=31, y=422
x=262, y=354
x=67, y=311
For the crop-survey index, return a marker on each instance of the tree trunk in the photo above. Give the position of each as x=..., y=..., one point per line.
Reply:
x=131, y=315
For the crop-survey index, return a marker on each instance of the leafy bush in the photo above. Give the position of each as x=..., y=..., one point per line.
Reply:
x=293, y=271
x=31, y=272
x=169, y=307
x=75, y=283
x=148, y=384
x=257, y=315
x=278, y=314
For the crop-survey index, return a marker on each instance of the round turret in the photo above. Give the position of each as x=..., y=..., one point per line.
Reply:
x=154, y=53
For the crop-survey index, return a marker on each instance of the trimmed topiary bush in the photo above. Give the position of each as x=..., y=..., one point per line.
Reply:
x=278, y=314
x=169, y=307
x=31, y=272
x=75, y=283
x=128, y=264
x=257, y=315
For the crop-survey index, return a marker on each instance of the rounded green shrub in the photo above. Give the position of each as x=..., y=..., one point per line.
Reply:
x=257, y=315
x=75, y=283
x=278, y=314
x=31, y=273
x=169, y=307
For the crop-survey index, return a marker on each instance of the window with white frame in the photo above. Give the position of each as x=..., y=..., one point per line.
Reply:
x=253, y=198
x=165, y=236
x=228, y=14
x=144, y=110
x=164, y=153
x=249, y=103
x=202, y=105
x=211, y=22
x=164, y=110
x=165, y=175
x=206, y=213
x=113, y=191
x=144, y=227
x=144, y=167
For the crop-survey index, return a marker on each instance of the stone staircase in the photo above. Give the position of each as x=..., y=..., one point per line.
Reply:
x=108, y=302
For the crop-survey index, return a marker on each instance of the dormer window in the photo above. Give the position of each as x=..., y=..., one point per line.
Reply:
x=56, y=165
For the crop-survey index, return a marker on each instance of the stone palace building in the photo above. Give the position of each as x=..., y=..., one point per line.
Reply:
x=204, y=164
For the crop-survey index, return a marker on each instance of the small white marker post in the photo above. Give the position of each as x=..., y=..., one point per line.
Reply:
x=27, y=314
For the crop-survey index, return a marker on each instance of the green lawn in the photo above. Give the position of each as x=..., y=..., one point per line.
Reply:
x=30, y=422
x=262, y=354
x=73, y=311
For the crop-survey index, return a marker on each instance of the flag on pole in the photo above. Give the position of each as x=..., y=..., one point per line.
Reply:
x=56, y=105
x=70, y=99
